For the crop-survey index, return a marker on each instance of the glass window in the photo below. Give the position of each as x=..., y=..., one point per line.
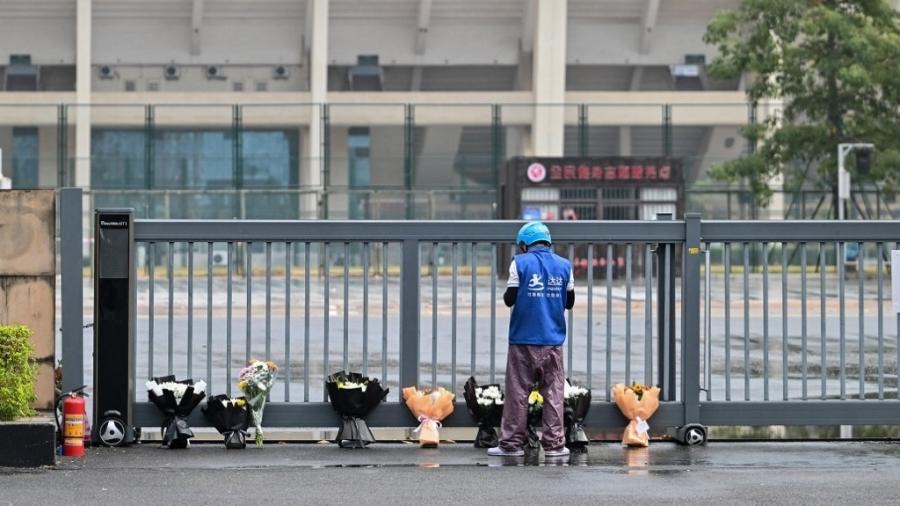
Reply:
x=25, y=157
x=117, y=159
x=183, y=158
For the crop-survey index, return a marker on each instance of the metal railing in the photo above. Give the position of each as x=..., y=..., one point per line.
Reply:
x=721, y=314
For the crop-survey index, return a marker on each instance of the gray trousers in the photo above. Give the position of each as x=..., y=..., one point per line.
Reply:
x=525, y=366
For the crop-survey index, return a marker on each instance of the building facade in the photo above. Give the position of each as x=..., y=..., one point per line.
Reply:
x=352, y=109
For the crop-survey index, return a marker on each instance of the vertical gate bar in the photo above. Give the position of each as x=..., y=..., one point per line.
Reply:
x=209, y=266
x=170, y=275
x=590, y=316
x=570, y=368
x=326, y=324
x=268, y=300
x=690, y=350
x=151, y=266
x=839, y=260
x=861, y=273
x=409, y=314
x=897, y=246
x=628, y=252
x=648, y=318
x=384, y=310
x=249, y=280
x=707, y=315
x=803, y=316
x=71, y=242
x=287, y=321
x=228, y=319
x=765, y=307
x=453, y=288
x=609, y=263
x=306, y=275
x=345, y=363
x=493, y=310
x=474, y=264
x=366, y=252
x=190, y=318
x=746, y=252
x=434, y=318
x=822, y=289
x=880, y=263
x=727, y=254
x=668, y=338
x=784, y=324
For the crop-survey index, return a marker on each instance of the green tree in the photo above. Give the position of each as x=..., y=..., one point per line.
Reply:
x=836, y=66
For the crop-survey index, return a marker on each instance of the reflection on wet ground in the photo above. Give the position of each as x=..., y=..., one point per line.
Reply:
x=611, y=458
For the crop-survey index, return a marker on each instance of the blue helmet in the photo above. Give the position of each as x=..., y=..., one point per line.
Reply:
x=533, y=232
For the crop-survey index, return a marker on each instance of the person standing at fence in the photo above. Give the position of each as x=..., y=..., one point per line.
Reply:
x=540, y=289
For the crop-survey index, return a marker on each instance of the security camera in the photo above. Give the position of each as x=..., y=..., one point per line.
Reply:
x=106, y=72
x=280, y=72
x=214, y=72
x=172, y=72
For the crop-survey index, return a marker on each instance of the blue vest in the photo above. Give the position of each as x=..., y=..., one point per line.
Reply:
x=538, y=318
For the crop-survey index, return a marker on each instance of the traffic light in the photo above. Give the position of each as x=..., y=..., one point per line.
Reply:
x=863, y=161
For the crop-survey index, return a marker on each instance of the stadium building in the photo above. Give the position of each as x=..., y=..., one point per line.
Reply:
x=366, y=108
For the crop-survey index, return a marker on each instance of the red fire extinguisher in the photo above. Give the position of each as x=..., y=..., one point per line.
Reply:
x=73, y=428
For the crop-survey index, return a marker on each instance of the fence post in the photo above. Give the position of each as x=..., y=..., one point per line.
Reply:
x=690, y=336
x=666, y=315
x=409, y=315
x=70, y=254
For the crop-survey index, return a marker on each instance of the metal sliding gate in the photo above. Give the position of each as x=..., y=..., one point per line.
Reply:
x=740, y=323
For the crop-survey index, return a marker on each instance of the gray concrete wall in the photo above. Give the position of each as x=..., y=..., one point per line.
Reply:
x=28, y=275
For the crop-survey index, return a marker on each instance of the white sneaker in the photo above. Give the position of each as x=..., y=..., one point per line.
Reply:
x=500, y=452
x=557, y=452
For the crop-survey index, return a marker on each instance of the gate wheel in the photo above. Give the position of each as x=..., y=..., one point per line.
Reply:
x=692, y=435
x=112, y=431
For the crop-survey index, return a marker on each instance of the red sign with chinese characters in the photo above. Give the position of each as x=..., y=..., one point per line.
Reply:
x=621, y=172
x=546, y=171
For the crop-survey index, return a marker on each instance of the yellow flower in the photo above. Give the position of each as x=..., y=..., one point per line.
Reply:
x=535, y=398
x=240, y=403
x=242, y=385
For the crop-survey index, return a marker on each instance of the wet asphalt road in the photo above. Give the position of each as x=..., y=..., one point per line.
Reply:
x=720, y=473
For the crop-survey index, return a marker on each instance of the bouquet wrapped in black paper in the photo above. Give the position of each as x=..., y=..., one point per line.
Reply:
x=231, y=417
x=176, y=399
x=485, y=404
x=576, y=407
x=353, y=396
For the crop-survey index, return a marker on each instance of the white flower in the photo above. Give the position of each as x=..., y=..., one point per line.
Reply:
x=199, y=387
x=152, y=386
x=574, y=391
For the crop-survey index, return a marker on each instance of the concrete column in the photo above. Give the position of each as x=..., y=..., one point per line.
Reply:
x=549, y=77
x=624, y=141
x=317, y=35
x=767, y=109
x=317, y=24
x=83, y=93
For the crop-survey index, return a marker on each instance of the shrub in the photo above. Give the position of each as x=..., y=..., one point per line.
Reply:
x=17, y=372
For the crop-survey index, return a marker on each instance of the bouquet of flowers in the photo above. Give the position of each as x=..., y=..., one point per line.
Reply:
x=231, y=417
x=176, y=399
x=576, y=407
x=535, y=417
x=485, y=404
x=638, y=403
x=353, y=396
x=429, y=407
x=256, y=381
